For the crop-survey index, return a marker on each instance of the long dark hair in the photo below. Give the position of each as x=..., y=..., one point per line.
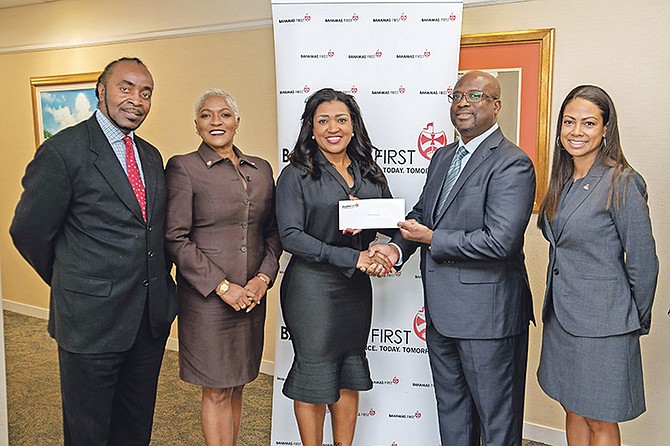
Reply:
x=360, y=148
x=610, y=152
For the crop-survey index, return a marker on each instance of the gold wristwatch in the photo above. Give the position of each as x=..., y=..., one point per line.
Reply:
x=222, y=287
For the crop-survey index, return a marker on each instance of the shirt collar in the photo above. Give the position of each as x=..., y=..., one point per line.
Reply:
x=472, y=145
x=112, y=132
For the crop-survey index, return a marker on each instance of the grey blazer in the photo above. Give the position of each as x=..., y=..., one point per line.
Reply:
x=473, y=273
x=79, y=225
x=603, y=267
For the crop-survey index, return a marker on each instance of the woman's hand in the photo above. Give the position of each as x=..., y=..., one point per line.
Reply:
x=374, y=263
x=392, y=255
x=349, y=230
x=236, y=297
x=256, y=289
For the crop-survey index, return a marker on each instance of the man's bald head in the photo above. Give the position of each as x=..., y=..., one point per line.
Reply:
x=471, y=119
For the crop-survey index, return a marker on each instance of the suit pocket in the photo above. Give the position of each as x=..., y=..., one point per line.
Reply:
x=86, y=285
x=479, y=275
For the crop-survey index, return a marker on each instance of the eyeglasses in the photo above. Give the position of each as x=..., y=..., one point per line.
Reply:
x=471, y=96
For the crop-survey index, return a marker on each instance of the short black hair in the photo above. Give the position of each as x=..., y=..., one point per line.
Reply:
x=102, y=79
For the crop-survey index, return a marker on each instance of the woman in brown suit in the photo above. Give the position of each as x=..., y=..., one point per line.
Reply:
x=222, y=235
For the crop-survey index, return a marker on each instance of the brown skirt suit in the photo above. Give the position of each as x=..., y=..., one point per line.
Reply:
x=216, y=229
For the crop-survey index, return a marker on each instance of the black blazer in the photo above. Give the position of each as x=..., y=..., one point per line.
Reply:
x=79, y=225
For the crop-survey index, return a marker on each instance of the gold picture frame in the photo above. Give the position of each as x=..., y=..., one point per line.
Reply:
x=531, y=54
x=61, y=101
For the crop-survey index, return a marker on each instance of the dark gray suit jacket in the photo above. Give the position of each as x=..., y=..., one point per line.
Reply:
x=79, y=225
x=474, y=276
x=603, y=267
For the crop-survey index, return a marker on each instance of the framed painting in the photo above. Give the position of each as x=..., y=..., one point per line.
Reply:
x=61, y=101
x=523, y=63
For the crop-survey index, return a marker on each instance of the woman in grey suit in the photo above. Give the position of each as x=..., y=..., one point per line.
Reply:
x=221, y=233
x=602, y=273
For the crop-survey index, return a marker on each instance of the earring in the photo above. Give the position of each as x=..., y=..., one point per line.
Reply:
x=352, y=134
x=604, y=141
x=237, y=130
x=312, y=136
x=558, y=143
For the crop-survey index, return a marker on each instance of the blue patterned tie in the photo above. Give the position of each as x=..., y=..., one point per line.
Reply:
x=450, y=180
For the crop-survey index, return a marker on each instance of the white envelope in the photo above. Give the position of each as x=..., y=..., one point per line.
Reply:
x=372, y=213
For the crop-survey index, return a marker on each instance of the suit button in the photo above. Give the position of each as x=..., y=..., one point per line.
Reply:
x=145, y=282
x=149, y=228
x=244, y=224
x=243, y=249
x=150, y=254
x=247, y=201
x=555, y=271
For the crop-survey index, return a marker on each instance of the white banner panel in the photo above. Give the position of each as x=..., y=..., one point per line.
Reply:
x=400, y=60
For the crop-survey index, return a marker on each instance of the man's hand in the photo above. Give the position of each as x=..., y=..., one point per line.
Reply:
x=388, y=254
x=414, y=231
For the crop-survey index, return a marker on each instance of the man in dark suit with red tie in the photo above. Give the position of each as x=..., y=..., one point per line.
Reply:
x=90, y=222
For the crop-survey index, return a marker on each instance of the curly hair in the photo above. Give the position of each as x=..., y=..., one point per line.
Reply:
x=360, y=148
x=232, y=103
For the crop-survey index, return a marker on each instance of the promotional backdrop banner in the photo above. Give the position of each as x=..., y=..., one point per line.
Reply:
x=400, y=60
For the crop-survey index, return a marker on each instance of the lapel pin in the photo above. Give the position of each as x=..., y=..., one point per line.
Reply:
x=209, y=163
x=586, y=186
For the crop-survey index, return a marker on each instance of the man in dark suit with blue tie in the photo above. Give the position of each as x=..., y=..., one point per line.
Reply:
x=469, y=223
x=90, y=222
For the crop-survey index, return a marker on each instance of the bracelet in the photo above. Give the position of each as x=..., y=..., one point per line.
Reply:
x=222, y=288
x=263, y=279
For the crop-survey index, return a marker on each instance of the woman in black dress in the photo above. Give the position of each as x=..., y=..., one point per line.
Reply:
x=326, y=297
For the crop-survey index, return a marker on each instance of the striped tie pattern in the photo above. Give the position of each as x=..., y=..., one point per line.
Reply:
x=450, y=179
x=134, y=176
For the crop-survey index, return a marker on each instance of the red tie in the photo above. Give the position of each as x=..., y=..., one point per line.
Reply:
x=134, y=176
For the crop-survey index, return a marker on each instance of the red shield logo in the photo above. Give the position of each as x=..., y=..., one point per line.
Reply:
x=308, y=17
x=452, y=17
x=354, y=89
x=420, y=324
x=372, y=412
x=417, y=415
x=403, y=16
x=354, y=18
x=430, y=140
x=426, y=53
x=378, y=53
x=401, y=89
x=305, y=89
x=331, y=53
x=395, y=380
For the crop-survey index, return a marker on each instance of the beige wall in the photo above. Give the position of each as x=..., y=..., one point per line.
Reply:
x=614, y=44
x=241, y=62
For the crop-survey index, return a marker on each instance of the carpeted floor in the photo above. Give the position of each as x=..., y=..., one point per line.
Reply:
x=33, y=395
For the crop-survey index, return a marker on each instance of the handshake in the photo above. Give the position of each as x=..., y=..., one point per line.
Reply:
x=378, y=260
